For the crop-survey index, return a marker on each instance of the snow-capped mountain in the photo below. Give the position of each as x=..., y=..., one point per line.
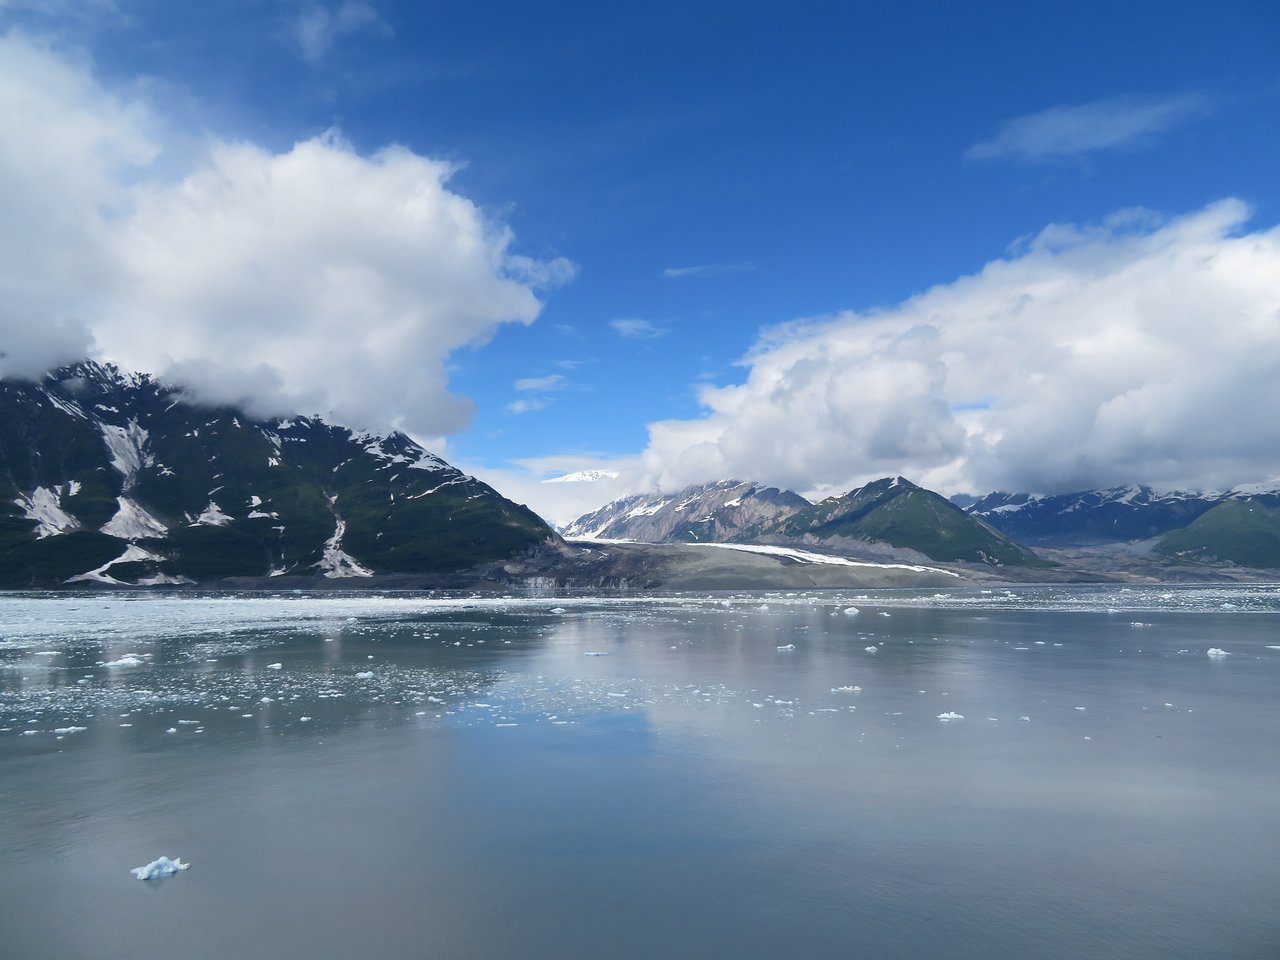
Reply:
x=702, y=513
x=1091, y=516
x=113, y=477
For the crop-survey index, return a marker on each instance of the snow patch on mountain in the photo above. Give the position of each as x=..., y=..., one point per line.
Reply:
x=212, y=517
x=44, y=506
x=128, y=449
x=132, y=554
x=336, y=563
x=132, y=522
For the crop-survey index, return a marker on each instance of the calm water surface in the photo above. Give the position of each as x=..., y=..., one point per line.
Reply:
x=406, y=776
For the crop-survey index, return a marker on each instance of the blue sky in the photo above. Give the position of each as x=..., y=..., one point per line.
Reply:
x=712, y=170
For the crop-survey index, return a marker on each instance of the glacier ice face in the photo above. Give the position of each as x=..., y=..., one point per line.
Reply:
x=157, y=869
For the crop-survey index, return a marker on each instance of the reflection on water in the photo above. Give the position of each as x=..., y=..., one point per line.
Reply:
x=1048, y=772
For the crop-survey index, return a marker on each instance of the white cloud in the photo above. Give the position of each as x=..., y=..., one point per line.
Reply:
x=525, y=481
x=637, y=329
x=555, y=381
x=315, y=280
x=1113, y=123
x=707, y=270
x=531, y=405
x=1122, y=353
x=315, y=30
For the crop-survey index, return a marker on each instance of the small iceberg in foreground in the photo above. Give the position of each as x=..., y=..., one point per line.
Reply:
x=156, y=869
x=950, y=715
x=1217, y=652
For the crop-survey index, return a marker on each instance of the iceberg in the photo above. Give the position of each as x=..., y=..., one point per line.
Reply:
x=950, y=715
x=156, y=869
x=786, y=646
x=1217, y=653
x=873, y=649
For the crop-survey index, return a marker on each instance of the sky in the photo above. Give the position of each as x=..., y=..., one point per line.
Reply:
x=985, y=246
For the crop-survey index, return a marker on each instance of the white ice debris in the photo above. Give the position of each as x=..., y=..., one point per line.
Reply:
x=558, y=610
x=873, y=649
x=44, y=506
x=595, y=653
x=128, y=660
x=851, y=611
x=132, y=522
x=275, y=666
x=1217, y=653
x=848, y=689
x=786, y=646
x=950, y=715
x=164, y=867
x=63, y=731
x=212, y=517
x=336, y=562
x=1273, y=646
x=364, y=675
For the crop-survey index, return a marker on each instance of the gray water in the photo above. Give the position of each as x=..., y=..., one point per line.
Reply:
x=469, y=782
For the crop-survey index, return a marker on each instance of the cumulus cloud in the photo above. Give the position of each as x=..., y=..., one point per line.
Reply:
x=1072, y=130
x=631, y=329
x=317, y=279
x=316, y=29
x=1126, y=352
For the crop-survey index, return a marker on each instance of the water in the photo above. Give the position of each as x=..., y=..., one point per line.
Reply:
x=468, y=782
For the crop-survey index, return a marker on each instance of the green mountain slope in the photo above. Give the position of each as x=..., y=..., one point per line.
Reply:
x=115, y=478
x=1244, y=531
x=896, y=512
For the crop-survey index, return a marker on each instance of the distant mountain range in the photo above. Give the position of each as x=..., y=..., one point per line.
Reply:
x=896, y=517
x=703, y=513
x=115, y=478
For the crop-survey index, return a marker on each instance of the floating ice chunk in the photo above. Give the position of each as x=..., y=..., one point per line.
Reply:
x=275, y=666
x=873, y=649
x=596, y=653
x=128, y=660
x=848, y=689
x=304, y=719
x=883, y=614
x=950, y=715
x=559, y=610
x=164, y=867
x=63, y=731
x=1273, y=646
x=1025, y=719
x=1080, y=708
x=786, y=646
x=850, y=611
x=364, y=675
x=1217, y=653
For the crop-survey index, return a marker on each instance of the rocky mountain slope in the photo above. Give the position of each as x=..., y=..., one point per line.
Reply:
x=113, y=478
x=1243, y=529
x=896, y=513
x=702, y=513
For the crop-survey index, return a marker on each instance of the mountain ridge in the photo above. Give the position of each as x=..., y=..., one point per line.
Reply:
x=113, y=477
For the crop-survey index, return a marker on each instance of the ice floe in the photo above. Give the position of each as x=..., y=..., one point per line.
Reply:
x=1217, y=653
x=156, y=869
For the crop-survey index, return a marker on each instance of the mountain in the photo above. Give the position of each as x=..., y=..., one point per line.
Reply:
x=901, y=515
x=702, y=513
x=113, y=477
x=1089, y=517
x=1243, y=529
